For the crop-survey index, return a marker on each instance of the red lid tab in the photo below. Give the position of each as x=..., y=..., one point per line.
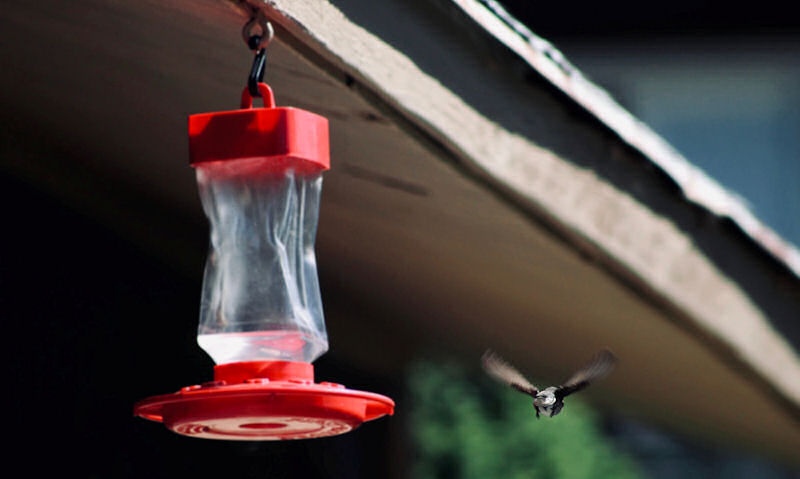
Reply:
x=238, y=372
x=281, y=137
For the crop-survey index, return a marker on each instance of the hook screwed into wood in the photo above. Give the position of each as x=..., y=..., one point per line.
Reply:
x=257, y=40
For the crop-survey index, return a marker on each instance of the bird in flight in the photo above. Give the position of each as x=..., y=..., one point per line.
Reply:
x=549, y=401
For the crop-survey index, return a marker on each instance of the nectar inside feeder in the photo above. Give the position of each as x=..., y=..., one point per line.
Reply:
x=259, y=173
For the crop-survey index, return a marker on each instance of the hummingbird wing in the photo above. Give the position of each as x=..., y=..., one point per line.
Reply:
x=499, y=369
x=601, y=364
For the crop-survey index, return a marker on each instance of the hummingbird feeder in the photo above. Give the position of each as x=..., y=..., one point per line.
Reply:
x=259, y=174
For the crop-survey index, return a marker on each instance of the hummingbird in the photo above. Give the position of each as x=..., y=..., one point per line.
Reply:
x=549, y=401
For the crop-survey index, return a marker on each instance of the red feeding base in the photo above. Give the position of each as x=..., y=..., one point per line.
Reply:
x=264, y=401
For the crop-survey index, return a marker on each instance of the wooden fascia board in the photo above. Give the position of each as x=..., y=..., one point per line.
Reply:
x=589, y=213
x=695, y=184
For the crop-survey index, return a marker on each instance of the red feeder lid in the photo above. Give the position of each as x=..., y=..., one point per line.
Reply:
x=279, y=137
x=262, y=401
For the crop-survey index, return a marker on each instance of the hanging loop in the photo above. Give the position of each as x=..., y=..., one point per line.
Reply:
x=264, y=91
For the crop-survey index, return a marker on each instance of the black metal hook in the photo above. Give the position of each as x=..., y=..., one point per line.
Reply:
x=257, y=72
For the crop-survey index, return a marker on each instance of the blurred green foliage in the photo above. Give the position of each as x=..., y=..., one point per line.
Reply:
x=466, y=427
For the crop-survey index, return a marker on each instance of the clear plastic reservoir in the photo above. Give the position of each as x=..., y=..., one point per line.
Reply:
x=261, y=298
